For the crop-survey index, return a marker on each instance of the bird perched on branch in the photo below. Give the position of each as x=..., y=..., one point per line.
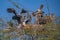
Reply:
x=38, y=14
x=15, y=17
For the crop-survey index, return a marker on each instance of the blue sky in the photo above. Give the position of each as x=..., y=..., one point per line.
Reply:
x=54, y=6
